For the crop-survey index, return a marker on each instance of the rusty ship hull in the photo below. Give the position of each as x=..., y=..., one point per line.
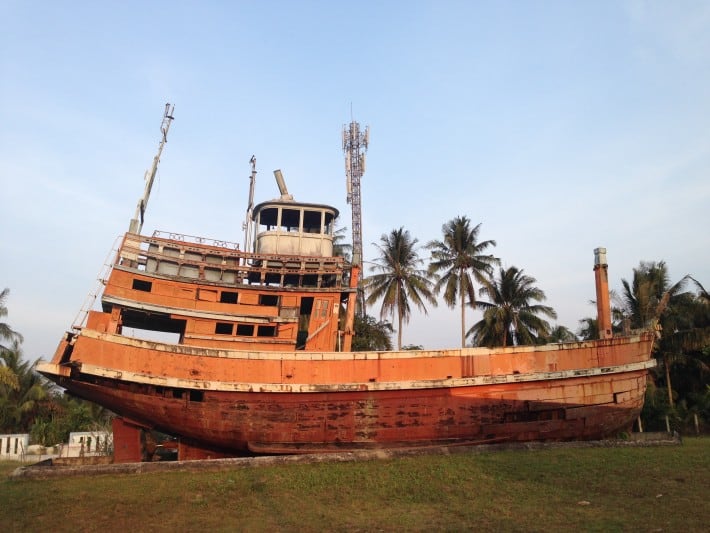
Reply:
x=358, y=400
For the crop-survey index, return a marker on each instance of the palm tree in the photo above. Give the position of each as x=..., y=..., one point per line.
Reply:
x=20, y=402
x=461, y=258
x=685, y=333
x=400, y=280
x=683, y=317
x=6, y=332
x=511, y=317
x=588, y=329
x=341, y=248
x=641, y=298
x=561, y=334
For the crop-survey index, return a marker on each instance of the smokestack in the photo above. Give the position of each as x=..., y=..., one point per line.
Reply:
x=282, y=186
x=601, y=278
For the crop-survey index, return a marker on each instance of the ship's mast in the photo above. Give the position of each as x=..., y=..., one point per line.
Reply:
x=355, y=145
x=250, y=207
x=137, y=221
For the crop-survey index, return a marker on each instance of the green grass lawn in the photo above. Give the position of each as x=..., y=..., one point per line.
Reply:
x=661, y=488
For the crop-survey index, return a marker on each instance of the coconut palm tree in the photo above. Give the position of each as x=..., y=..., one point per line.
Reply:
x=588, y=329
x=683, y=316
x=6, y=332
x=8, y=378
x=457, y=260
x=641, y=298
x=512, y=317
x=20, y=401
x=342, y=248
x=399, y=279
x=560, y=333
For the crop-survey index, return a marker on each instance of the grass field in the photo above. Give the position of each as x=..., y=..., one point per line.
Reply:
x=593, y=489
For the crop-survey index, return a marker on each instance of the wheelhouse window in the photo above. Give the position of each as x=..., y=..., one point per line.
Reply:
x=312, y=221
x=290, y=220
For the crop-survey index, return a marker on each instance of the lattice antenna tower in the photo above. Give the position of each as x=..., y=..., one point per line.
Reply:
x=355, y=144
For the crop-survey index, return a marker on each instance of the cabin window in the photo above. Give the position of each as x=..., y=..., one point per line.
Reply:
x=267, y=218
x=141, y=285
x=266, y=331
x=290, y=220
x=197, y=395
x=245, y=330
x=177, y=393
x=312, y=222
x=268, y=299
x=291, y=280
x=228, y=297
x=223, y=328
x=329, y=220
x=310, y=280
x=272, y=279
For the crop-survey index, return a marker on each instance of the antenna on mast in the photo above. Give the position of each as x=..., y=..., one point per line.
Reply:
x=355, y=145
x=137, y=221
x=246, y=226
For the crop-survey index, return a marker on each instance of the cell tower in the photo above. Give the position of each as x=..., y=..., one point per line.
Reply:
x=355, y=145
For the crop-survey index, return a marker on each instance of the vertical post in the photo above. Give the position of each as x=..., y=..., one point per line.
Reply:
x=250, y=207
x=136, y=223
x=602, y=285
x=349, y=329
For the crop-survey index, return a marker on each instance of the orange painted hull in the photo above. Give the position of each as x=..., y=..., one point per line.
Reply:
x=237, y=402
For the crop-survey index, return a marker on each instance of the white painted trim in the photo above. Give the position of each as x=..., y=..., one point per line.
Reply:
x=346, y=387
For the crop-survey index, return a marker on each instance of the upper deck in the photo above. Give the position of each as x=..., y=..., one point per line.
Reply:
x=213, y=294
x=188, y=258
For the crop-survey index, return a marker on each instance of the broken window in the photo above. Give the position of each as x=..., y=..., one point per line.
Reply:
x=266, y=331
x=223, y=328
x=142, y=285
x=268, y=299
x=228, y=297
x=245, y=330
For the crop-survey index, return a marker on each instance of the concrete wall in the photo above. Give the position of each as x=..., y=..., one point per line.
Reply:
x=14, y=447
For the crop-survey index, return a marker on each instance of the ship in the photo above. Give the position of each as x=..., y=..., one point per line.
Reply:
x=252, y=353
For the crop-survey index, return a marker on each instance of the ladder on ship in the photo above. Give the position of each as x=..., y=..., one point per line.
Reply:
x=80, y=319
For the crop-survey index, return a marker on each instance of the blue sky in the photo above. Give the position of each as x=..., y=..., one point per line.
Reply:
x=560, y=126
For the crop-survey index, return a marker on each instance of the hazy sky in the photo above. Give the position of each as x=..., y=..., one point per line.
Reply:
x=560, y=126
